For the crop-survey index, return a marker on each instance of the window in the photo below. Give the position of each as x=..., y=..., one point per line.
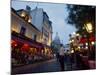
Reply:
x=35, y=36
x=26, y=17
x=23, y=14
x=45, y=33
x=23, y=30
x=29, y=20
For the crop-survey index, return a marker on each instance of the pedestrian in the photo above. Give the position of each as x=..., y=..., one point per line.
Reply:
x=30, y=59
x=78, y=60
x=61, y=57
x=71, y=60
x=57, y=56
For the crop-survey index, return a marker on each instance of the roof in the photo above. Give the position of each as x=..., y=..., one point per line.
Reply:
x=45, y=14
x=14, y=11
x=20, y=10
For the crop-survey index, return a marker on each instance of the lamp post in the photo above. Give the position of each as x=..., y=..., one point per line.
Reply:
x=89, y=29
x=72, y=47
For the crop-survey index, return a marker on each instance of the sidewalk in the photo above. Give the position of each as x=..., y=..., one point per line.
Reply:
x=40, y=67
x=29, y=66
x=35, y=62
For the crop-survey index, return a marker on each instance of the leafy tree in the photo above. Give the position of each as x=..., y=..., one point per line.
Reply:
x=80, y=15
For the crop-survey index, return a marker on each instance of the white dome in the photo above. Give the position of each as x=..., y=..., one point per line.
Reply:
x=57, y=39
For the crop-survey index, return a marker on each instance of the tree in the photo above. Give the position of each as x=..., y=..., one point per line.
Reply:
x=80, y=15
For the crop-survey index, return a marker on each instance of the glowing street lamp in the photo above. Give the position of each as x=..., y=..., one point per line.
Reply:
x=78, y=47
x=77, y=34
x=86, y=44
x=92, y=43
x=88, y=27
x=72, y=40
x=72, y=51
x=86, y=47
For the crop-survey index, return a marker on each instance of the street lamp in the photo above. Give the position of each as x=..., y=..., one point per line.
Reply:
x=72, y=40
x=86, y=44
x=72, y=48
x=77, y=34
x=92, y=43
x=88, y=28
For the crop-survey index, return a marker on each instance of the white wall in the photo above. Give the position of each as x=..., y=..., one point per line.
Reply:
x=17, y=23
x=37, y=17
x=37, y=20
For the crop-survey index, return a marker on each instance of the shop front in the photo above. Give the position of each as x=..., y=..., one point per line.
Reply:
x=88, y=50
x=22, y=48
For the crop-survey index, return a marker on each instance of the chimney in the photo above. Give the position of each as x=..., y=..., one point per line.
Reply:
x=28, y=8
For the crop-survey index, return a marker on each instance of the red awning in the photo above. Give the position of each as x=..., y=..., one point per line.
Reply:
x=83, y=40
x=92, y=38
x=25, y=47
x=21, y=42
x=13, y=43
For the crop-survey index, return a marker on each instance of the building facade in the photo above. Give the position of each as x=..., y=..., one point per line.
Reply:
x=27, y=37
x=41, y=20
x=19, y=25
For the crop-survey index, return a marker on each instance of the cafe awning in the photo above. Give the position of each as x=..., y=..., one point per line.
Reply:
x=31, y=43
x=84, y=40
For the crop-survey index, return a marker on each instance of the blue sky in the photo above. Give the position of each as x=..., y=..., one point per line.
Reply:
x=57, y=14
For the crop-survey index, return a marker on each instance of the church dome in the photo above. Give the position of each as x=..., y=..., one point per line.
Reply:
x=57, y=39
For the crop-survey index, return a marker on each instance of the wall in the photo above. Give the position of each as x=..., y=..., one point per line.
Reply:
x=17, y=23
x=47, y=29
x=37, y=17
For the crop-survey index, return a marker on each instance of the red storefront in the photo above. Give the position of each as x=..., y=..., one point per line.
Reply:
x=27, y=45
x=89, y=61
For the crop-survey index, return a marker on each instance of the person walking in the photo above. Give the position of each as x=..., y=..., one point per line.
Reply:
x=57, y=56
x=78, y=60
x=61, y=57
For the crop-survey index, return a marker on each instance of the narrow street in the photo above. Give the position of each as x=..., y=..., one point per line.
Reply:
x=46, y=66
x=45, y=40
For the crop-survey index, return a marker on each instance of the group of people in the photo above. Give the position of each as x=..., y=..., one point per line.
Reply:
x=22, y=57
x=60, y=57
x=71, y=58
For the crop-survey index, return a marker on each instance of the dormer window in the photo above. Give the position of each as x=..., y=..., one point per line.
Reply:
x=29, y=20
x=23, y=30
x=23, y=14
x=26, y=17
